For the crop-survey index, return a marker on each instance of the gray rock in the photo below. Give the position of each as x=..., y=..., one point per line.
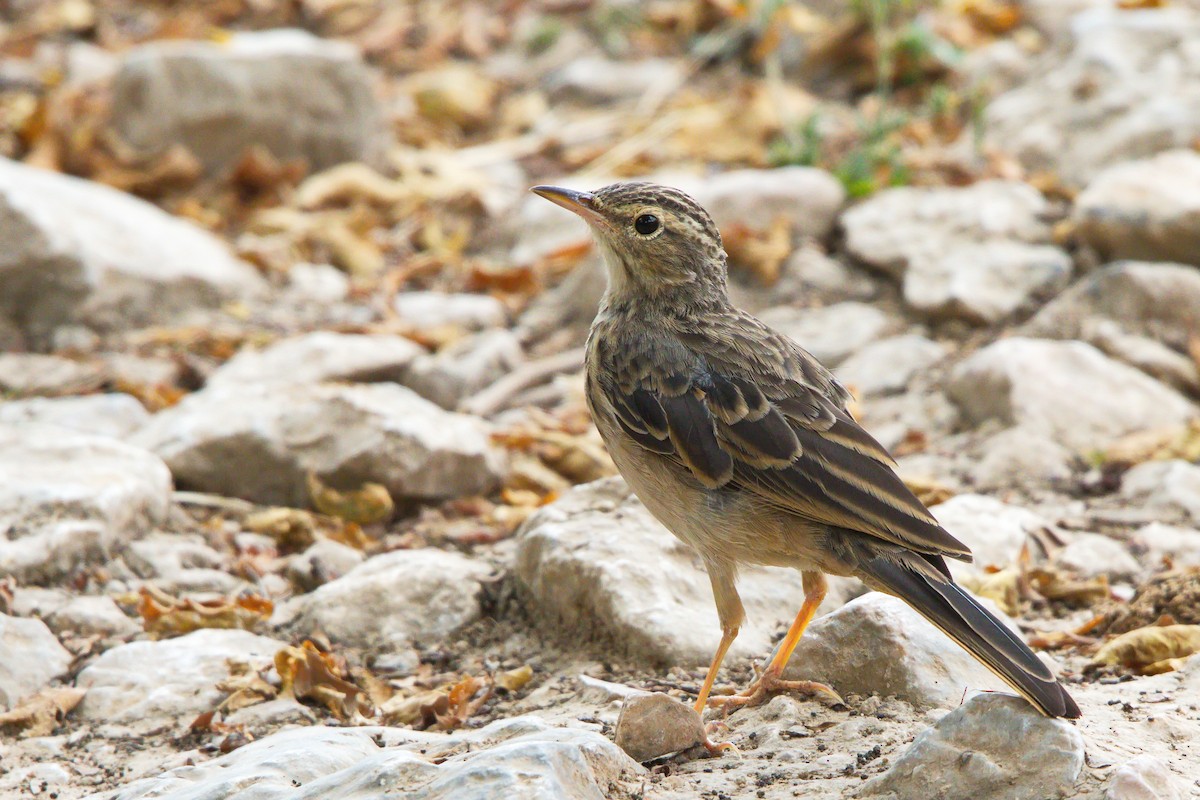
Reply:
x=1146, y=209
x=995, y=746
x=1169, y=486
x=181, y=564
x=81, y=253
x=1128, y=88
x=36, y=374
x=272, y=715
x=115, y=415
x=461, y=369
x=1143, y=777
x=886, y=366
x=392, y=600
x=1019, y=458
x=995, y=531
x=1091, y=554
x=430, y=310
x=1067, y=391
x=298, y=96
x=832, y=333
x=594, y=79
x=30, y=657
x=321, y=356
x=68, y=499
x=1159, y=543
x=92, y=616
x=876, y=644
x=259, y=443
x=808, y=198
x=595, y=564
x=653, y=725
x=1149, y=355
x=173, y=678
x=324, y=561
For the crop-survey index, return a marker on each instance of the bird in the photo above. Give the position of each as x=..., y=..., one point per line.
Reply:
x=742, y=444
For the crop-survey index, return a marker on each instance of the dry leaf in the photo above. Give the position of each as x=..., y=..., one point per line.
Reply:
x=41, y=714
x=1054, y=585
x=759, y=252
x=308, y=674
x=1182, y=442
x=928, y=490
x=444, y=708
x=164, y=616
x=366, y=505
x=1150, y=650
x=246, y=687
x=1002, y=586
x=515, y=679
x=292, y=528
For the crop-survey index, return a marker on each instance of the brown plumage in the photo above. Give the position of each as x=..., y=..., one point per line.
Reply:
x=740, y=442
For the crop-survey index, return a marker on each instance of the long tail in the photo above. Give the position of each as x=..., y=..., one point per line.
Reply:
x=923, y=583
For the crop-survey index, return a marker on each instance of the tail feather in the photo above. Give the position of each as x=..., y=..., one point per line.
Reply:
x=960, y=616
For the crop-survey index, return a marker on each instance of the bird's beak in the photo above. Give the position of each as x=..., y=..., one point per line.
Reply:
x=579, y=202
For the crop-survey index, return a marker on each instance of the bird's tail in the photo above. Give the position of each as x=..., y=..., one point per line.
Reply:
x=920, y=581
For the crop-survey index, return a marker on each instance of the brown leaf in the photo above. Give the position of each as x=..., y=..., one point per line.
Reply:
x=515, y=679
x=1150, y=650
x=1054, y=585
x=293, y=528
x=308, y=674
x=165, y=616
x=444, y=708
x=246, y=687
x=366, y=505
x=41, y=714
x=760, y=253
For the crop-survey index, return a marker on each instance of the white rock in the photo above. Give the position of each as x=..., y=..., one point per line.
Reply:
x=877, y=644
x=808, y=198
x=92, y=615
x=1018, y=457
x=886, y=366
x=81, y=253
x=594, y=79
x=1171, y=486
x=1149, y=355
x=1159, y=543
x=30, y=657
x=995, y=531
x=68, y=499
x=1143, y=777
x=321, y=356
x=318, y=283
x=1067, y=391
x=596, y=564
x=831, y=333
x=35, y=374
x=115, y=415
x=1146, y=209
x=260, y=443
x=461, y=369
x=1128, y=88
x=392, y=600
x=286, y=90
x=325, y=560
x=172, y=678
x=995, y=746
x=428, y=310
x=1091, y=554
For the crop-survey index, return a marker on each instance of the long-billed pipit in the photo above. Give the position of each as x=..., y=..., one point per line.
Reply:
x=740, y=443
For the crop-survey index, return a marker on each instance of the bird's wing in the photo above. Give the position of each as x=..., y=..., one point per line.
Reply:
x=744, y=406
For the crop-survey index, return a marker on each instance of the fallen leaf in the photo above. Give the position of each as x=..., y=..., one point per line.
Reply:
x=928, y=490
x=165, y=616
x=1150, y=650
x=1054, y=585
x=246, y=687
x=292, y=528
x=305, y=673
x=366, y=505
x=41, y=714
x=515, y=679
x=760, y=253
x=444, y=708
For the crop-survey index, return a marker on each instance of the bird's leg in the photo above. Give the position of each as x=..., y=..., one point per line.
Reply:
x=771, y=680
x=731, y=614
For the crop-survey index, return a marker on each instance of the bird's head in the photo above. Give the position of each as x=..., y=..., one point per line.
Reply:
x=656, y=240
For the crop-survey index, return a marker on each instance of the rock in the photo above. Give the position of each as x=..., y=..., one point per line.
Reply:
x=461, y=369
x=521, y=757
x=68, y=499
x=1019, y=458
x=1158, y=543
x=30, y=657
x=1170, y=486
x=598, y=80
x=995, y=531
x=92, y=616
x=1143, y=777
x=1128, y=88
x=34, y=374
x=653, y=725
x=1091, y=554
x=296, y=95
x=172, y=678
x=1150, y=356
x=317, y=283
x=832, y=333
x=80, y=253
x=1067, y=391
x=424, y=311
x=325, y=560
x=995, y=746
x=984, y=283
x=393, y=600
x=115, y=415
x=260, y=443
x=886, y=366
x=1146, y=209
x=596, y=565
x=271, y=715
x=321, y=356
x=808, y=198
x=173, y=556
x=877, y=644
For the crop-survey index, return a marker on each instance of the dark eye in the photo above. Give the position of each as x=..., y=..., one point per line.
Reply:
x=646, y=224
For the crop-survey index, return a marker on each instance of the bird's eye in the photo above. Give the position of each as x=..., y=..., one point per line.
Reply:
x=646, y=224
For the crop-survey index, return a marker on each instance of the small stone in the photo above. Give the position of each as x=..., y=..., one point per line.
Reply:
x=808, y=198
x=1161, y=543
x=36, y=374
x=653, y=725
x=1171, y=486
x=1017, y=458
x=597, y=80
x=456, y=93
x=324, y=561
x=994, y=531
x=1143, y=777
x=431, y=310
x=1091, y=554
x=30, y=657
x=886, y=366
x=115, y=415
x=995, y=746
x=877, y=644
x=321, y=356
x=92, y=616
x=272, y=714
x=832, y=333
x=461, y=369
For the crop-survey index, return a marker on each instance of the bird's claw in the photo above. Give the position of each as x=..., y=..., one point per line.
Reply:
x=718, y=748
x=769, y=684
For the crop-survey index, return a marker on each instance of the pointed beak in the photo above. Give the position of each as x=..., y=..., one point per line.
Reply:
x=579, y=202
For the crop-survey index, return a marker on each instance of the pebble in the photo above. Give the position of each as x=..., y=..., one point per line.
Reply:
x=886, y=366
x=1020, y=458
x=831, y=333
x=1091, y=555
x=461, y=369
x=995, y=531
x=92, y=616
x=1168, y=486
x=654, y=725
x=1143, y=778
x=116, y=415
x=1159, y=543
x=430, y=310
x=325, y=560
x=30, y=657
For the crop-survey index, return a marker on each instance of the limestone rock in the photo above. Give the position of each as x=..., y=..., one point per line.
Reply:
x=1170, y=486
x=324, y=561
x=886, y=366
x=597, y=80
x=92, y=616
x=831, y=333
x=259, y=443
x=116, y=415
x=36, y=374
x=653, y=725
x=1143, y=778
x=429, y=310
x=1091, y=554
x=298, y=96
x=461, y=369
x=1017, y=457
x=81, y=253
x=995, y=531
x=1158, y=543
x=30, y=657
x=321, y=356
x=808, y=198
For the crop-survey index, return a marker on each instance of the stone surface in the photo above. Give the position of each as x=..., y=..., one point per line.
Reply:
x=259, y=443
x=80, y=253
x=1018, y=457
x=593, y=79
x=995, y=746
x=1158, y=543
x=877, y=644
x=92, y=616
x=653, y=725
x=832, y=333
x=596, y=566
x=461, y=369
x=808, y=198
x=1091, y=554
x=1146, y=209
x=431, y=310
x=995, y=531
x=1129, y=87
x=30, y=657
x=115, y=415
x=324, y=561
x=68, y=499
x=1143, y=778
x=36, y=374
x=886, y=366
x=321, y=356
x=1067, y=391
x=298, y=96
x=393, y=600
x=168, y=679
x=1168, y=486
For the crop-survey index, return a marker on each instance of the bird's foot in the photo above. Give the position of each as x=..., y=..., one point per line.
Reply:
x=717, y=748
x=769, y=684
